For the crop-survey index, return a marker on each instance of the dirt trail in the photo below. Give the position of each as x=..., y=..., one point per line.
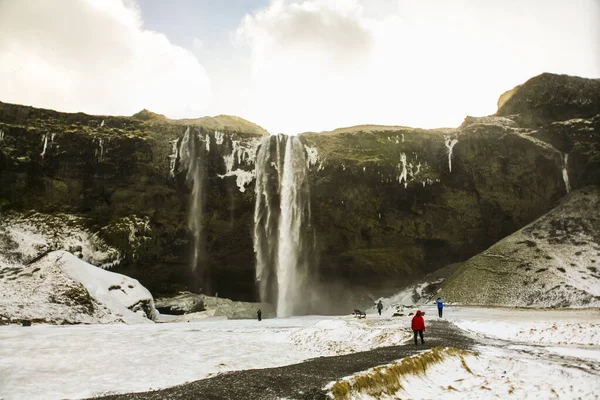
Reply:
x=304, y=380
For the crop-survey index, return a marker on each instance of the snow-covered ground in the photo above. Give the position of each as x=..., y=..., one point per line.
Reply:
x=502, y=373
x=524, y=353
x=55, y=362
x=542, y=327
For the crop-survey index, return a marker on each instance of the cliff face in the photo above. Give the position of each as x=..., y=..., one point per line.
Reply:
x=387, y=204
x=123, y=176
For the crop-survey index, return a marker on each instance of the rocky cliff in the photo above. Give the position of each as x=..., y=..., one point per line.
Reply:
x=387, y=204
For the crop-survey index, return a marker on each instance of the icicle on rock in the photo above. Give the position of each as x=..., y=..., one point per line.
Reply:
x=173, y=157
x=449, y=146
x=402, y=168
x=44, y=145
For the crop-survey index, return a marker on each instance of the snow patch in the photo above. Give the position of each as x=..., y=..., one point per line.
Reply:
x=243, y=178
x=342, y=336
x=537, y=332
x=219, y=137
x=312, y=156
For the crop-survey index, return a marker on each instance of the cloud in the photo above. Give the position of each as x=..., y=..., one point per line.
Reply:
x=296, y=65
x=321, y=64
x=94, y=56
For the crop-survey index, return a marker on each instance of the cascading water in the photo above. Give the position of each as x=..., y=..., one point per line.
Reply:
x=191, y=160
x=283, y=234
x=565, y=172
x=449, y=146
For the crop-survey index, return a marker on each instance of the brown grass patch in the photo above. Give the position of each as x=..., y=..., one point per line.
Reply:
x=464, y=365
x=387, y=379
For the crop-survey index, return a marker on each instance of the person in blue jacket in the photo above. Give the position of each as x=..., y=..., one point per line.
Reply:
x=440, y=305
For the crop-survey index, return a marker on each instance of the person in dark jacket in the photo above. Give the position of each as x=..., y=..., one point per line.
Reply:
x=418, y=326
x=379, y=307
x=440, y=306
x=259, y=314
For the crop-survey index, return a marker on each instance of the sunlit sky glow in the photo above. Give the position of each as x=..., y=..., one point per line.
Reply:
x=290, y=65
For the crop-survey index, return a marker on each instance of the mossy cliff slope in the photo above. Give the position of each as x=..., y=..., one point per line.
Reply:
x=387, y=203
x=122, y=175
x=552, y=262
x=391, y=203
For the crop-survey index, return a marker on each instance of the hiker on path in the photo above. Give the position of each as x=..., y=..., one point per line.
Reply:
x=418, y=326
x=379, y=307
x=259, y=314
x=440, y=305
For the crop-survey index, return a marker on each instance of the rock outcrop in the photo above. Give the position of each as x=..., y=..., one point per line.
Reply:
x=552, y=262
x=388, y=204
x=192, y=307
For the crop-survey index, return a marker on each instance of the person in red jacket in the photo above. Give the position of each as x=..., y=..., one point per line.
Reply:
x=418, y=326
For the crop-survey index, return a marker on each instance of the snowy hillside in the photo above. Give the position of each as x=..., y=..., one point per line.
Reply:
x=24, y=237
x=552, y=262
x=42, y=283
x=62, y=289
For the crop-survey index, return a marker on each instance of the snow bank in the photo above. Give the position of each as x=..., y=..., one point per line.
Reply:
x=342, y=336
x=60, y=288
x=495, y=373
x=120, y=294
x=586, y=333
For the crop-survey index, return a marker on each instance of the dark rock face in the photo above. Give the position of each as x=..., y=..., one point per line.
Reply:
x=550, y=97
x=121, y=175
x=374, y=221
x=388, y=204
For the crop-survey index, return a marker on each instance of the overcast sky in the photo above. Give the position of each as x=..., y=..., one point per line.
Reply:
x=290, y=65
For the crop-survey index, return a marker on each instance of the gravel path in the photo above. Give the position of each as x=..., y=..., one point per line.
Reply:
x=304, y=380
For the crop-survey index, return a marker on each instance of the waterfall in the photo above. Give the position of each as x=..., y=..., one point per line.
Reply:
x=283, y=234
x=565, y=173
x=192, y=155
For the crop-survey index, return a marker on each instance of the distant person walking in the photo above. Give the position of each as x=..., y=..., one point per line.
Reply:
x=379, y=307
x=259, y=314
x=418, y=326
x=440, y=305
